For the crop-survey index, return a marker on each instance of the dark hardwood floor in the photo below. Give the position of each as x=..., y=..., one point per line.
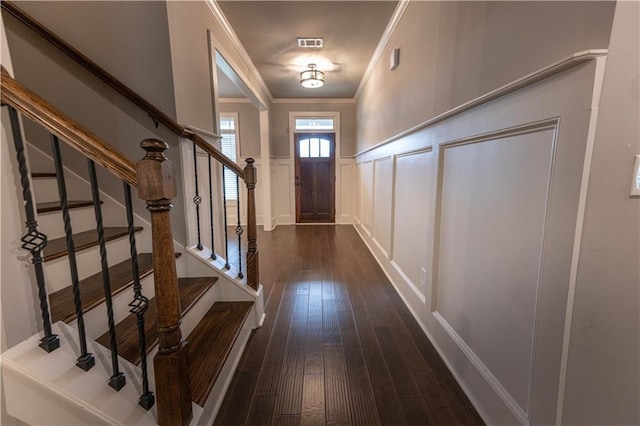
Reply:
x=338, y=346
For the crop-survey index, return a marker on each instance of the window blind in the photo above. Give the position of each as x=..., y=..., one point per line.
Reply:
x=228, y=145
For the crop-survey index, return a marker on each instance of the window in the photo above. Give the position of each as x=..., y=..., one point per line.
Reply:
x=229, y=143
x=315, y=147
x=314, y=123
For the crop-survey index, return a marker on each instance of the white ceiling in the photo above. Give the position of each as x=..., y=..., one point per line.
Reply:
x=269, y=30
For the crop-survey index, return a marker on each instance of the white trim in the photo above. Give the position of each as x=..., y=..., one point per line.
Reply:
x=382, y=44
x=236, y=124
x=314, y=101
x=201, y=131
x=575, y=258
x=235, y=101
x=265, y=183
x=545, y=72
x=412, y=286
x=517, y=411
x=237, y=45
x=336, y=131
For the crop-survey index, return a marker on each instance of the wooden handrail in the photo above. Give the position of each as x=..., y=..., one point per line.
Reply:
x=117, y=85
x=67, y=129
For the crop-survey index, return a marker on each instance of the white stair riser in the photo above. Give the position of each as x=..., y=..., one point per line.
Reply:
x=51, y=223
x=56, y=272
x=95, y=320
x=82, y=219
x=46, y=189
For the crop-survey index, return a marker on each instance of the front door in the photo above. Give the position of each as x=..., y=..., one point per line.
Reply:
x=315, y=177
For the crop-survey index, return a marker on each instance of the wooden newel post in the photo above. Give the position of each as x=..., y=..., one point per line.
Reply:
x=157, y=186
x=253, y=273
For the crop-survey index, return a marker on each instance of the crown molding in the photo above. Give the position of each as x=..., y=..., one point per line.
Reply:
x=235, y=101
x=382, y=44
x=237, y=45
x=314, y=101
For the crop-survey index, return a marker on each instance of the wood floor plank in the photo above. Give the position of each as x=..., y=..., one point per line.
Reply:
x=237, y=402
x=400, y=375
x=314, y=352
x=336, y=386
x=287, y=420
x=292, y=376
x=313, y=406
x=262, y=411
x=354, y=315
x=57, y=247
x=191, y=289
x=416, y=412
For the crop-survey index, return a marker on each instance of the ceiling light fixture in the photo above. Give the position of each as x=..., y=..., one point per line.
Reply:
x=312, y=78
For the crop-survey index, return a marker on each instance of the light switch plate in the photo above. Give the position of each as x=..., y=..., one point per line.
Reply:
x=635, y=178
x=394, y=59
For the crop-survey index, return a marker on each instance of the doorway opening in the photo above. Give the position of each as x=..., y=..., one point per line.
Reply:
x=315, y=177
x=315, y=147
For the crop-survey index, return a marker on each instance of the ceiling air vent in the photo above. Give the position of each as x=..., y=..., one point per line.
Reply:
x=314, y=43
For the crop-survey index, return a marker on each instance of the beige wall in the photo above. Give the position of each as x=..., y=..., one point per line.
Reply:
x=188, y=25
x=131, y=41
x=452, y=52
x=603, y=377
x=249, y=121
x=280, y=125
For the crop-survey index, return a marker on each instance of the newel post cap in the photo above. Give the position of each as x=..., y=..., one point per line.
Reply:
x=156, y=173
x=250, y=173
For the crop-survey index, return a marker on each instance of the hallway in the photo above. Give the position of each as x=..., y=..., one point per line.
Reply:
x=338, y=345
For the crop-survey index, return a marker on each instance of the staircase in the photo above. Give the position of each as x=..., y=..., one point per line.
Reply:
x=114, y=289
x=217, y=330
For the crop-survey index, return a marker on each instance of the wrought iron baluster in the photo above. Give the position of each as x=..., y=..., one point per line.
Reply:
x=239, y=229
x=85, y=361
x=34, y=241
x=139, y=305
x=197, y=199
x=117, y=379
x=226, y=230
x=213, y=244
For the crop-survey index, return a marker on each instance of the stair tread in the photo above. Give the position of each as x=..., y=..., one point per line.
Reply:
x=91, y=288
x=57, y=247
x=43, y=175
x=191, y=289
x=54, y=206
x=210, y=344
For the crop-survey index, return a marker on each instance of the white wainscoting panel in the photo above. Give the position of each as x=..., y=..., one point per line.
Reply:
x=357, y=209
x=413, y=216
x=382, y=203
x=484, y=220
x=284, y=208
x=345, y=205
x=366, y=195
x=494, y=196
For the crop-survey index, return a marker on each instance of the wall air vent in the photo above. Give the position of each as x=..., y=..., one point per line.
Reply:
x=310, y=43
